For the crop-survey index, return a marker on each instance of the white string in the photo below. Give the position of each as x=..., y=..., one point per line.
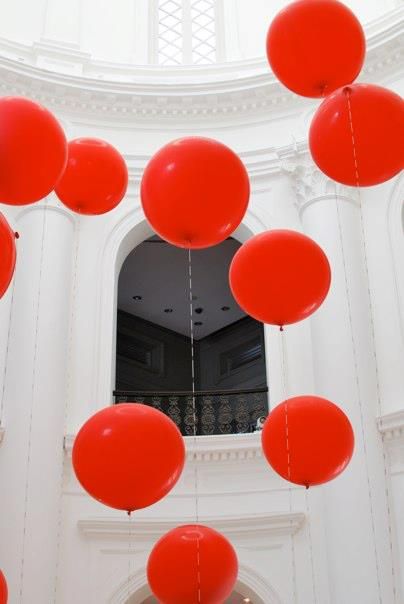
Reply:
x=313, y=577
x=286, y=398
x=67, y=400
x=191, y=314
x=129, y=552
x=358, y=390
x=373, y=335
x=31, y=413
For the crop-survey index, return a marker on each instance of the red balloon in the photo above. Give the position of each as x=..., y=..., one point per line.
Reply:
x=316, y=46
x=195, y=192
x=128, y=456
x=356, y=136
x=192, y=558
x=7, y=255
x=280, y=277
x=3, y=589
x=95, y=179
x=308, y=440
x=33, y=151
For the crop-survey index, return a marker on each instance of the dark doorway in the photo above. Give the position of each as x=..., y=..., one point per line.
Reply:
x=154, y=346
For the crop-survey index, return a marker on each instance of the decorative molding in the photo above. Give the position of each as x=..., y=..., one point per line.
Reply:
x=216, y=448
x=391, y=426
x=259, y=525
x=75, y=83
x=311, y=185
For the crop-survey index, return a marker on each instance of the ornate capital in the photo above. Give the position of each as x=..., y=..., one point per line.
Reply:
x=391, y=427
x=310, y=184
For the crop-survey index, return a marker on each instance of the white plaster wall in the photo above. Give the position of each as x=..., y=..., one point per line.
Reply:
x=122, y=31
x=294, y=547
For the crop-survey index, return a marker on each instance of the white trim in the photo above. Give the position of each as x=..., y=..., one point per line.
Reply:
x=212, y=448
x=223, y=92
x=392, y=425
x=269, y=525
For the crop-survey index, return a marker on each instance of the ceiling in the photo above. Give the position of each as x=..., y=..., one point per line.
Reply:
x=157, y=272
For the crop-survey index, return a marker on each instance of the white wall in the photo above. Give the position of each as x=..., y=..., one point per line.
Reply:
x=122, y=31
x=335, y=544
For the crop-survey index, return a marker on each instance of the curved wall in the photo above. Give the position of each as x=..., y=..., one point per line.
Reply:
x=293, y=546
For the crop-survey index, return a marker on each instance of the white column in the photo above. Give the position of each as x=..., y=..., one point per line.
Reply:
x=31, y=454
x=359, y=552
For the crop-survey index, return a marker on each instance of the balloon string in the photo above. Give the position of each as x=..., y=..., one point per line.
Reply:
x=358, y=389
x=32, y=398
x=67, y=400
x=129, y=551
x=191, y=314
x=286, y=397
x=313, y=577
x=374, y=350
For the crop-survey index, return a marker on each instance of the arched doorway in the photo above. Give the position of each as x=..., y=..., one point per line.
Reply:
x=153, y=363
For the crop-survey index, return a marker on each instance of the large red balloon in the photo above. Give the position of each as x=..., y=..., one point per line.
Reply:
x=308, y=440
x=7, y=255
x=33, y=151
x=3, y=589
x=128, y=456
x=280, y=277
x=192, y=558
x=95, y=179
x=195, y=192
x=356, y=136
x=316, y=46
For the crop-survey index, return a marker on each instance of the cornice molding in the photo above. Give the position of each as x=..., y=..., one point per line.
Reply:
x=224, y=92
x=215, y=449
x=263, y=525
x=391, y=426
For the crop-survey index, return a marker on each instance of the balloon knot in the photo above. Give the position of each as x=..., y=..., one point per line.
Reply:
x=17, y=235
x=129, y=513
x=347, y=90
x=307, y=487
x=281, y=328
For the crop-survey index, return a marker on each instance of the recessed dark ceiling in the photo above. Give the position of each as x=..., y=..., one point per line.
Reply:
x=154, y=285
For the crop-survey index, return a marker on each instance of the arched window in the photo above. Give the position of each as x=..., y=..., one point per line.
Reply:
x=153, y=363
x=186, y=32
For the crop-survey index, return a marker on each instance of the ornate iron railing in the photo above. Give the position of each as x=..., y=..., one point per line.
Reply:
x=217, y=412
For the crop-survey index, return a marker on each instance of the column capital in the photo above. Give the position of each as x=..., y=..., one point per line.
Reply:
x=310, y=184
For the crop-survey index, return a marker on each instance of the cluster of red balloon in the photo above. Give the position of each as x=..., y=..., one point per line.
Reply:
x=129, y=456
x=88, y=175
x=281, y=277
x=317, y=48
x=194, y=192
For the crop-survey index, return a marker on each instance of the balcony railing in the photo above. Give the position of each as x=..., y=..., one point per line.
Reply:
x=217, y=411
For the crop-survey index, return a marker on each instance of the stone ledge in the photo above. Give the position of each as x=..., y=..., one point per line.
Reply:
x=282, y=524
x=217, y=448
